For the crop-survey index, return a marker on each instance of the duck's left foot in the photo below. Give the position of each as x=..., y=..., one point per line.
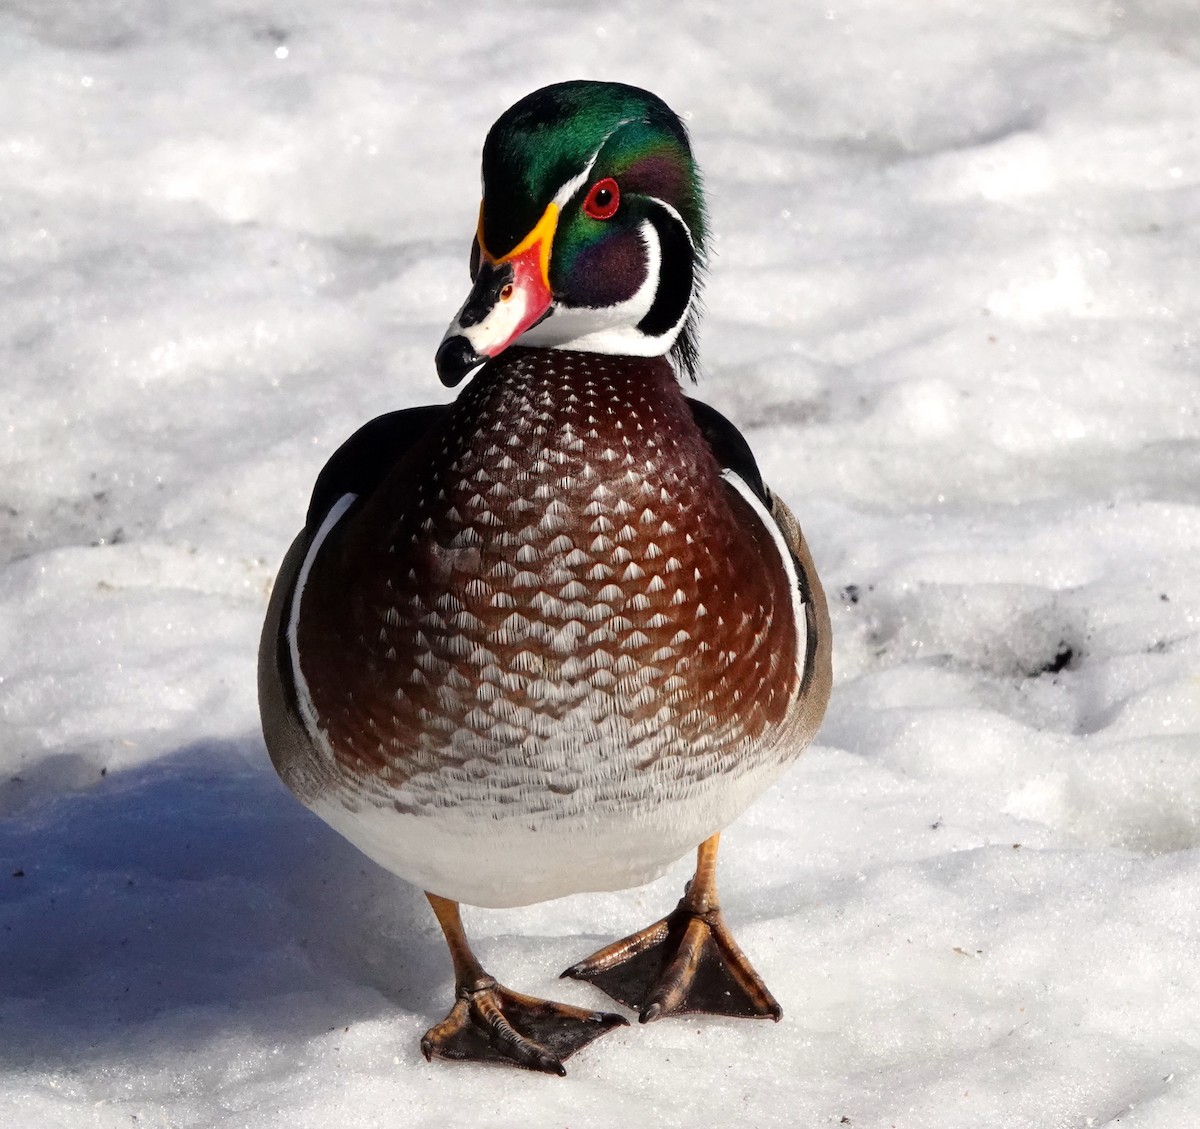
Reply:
x=687, y=962
x=491, y=1023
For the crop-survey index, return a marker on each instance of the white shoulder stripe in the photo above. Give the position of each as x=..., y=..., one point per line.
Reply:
x=303, y=698
x=785, y=555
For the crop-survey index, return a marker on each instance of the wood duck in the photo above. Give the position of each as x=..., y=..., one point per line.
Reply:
x=553, y=636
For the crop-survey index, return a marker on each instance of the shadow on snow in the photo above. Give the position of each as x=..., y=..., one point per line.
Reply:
x=192, y=896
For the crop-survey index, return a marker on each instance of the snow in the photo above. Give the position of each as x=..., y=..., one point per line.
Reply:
x=953, y=306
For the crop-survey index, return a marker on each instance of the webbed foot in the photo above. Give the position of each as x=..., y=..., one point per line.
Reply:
x=490, y=1023
x=687, y=962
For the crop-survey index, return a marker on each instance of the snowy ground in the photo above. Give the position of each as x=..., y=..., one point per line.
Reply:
x=955, y=307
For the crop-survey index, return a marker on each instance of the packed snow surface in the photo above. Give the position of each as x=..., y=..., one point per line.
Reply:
x=953, y=305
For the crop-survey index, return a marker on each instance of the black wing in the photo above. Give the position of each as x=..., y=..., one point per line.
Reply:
x=730, y=447
x=360, y=464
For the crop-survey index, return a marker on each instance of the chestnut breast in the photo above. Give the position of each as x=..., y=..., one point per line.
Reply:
x=557, y=579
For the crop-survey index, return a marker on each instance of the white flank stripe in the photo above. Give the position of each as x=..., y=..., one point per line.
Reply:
x=303, y=698
x=785, y=554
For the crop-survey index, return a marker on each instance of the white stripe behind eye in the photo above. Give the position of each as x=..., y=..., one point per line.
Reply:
x=304, y=702
x=785, y=555
x=576, y=182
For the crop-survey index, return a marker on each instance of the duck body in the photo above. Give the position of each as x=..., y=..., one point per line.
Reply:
x=552, y=636
x=553, y=649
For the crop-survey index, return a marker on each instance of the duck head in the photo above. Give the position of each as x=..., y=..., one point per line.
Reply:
x=591, y=231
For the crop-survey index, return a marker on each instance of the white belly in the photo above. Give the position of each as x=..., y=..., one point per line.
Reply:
x=478, y=853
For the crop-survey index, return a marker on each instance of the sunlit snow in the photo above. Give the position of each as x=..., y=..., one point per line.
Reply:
x=953, y=305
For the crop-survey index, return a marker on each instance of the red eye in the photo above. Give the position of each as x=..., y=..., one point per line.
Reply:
x=603, y=199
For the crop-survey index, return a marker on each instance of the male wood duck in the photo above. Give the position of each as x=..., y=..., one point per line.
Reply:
x=555, y=635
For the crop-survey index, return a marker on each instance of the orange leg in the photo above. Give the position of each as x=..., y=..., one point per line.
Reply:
x=490, y=1023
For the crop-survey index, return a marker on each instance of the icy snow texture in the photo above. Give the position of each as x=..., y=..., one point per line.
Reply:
x=954, y=306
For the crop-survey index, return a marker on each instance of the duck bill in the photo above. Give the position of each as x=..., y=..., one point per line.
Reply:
x=510, y=295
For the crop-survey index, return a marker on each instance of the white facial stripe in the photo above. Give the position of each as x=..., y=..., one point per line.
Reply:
x=785, y=555
x=612, y=329
x=304, y=702
x=580, y=326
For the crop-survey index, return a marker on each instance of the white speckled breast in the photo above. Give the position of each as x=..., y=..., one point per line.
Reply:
x=554, y=651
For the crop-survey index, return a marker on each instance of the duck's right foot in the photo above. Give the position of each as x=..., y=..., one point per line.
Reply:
x=490, y=1023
